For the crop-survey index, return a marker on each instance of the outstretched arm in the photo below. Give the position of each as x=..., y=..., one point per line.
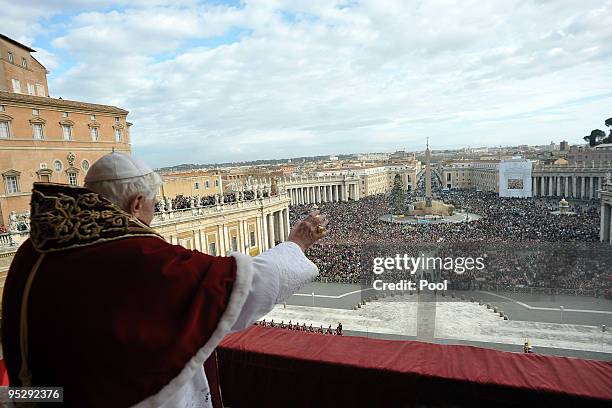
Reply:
x=281, y=271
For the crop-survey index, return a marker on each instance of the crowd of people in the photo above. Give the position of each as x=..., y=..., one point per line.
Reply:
x=183, y=202
x=525, y=245
x=302, y=328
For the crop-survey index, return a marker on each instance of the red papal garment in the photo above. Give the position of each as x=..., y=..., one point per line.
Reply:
x=119, y=317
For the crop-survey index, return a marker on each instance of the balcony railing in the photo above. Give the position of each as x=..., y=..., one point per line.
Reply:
x=214, y=209
x=273, y=367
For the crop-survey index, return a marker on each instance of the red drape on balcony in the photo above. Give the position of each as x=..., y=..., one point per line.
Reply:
x=275, y=367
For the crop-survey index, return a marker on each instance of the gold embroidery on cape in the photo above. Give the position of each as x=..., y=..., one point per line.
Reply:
x=64, y=217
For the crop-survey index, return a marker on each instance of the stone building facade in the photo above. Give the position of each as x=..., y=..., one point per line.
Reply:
x=45, y=139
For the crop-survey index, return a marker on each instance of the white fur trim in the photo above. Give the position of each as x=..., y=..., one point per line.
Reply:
x=240, y=291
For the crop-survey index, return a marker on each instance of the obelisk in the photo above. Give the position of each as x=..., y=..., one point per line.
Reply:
x=427, y=176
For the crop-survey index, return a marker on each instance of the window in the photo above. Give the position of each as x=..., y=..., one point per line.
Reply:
x=37, y=128
x=57, y=165
x=94, y=132
x=45, y=178
x=35, y=112
x=234, y=244
x=67, y=130
x=40, y=90
x=118, y=135
x=72, y=179
x=216, y=183
x=24, y=62
x=92, y=117
x=85, y=165
x=207, y=184
x=212, y=249
x=4, y=130
x=252, y=236
x=16, y=85
x=31, y=89
x=116, y=119
x=11, y=57
x=196, y=185
x=12, y=186
x=2, y=109
x=65, y=114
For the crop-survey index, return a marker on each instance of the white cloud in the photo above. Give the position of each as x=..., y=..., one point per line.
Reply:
x=294, y=78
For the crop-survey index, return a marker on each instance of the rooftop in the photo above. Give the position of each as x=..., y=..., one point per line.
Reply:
x=59, y=103
x=17, y=43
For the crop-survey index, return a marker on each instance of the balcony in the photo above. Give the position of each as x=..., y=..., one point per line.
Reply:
x=274, y=367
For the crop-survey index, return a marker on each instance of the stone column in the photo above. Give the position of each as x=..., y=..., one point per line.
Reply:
x=610, y=225
x=582, y=188
x=281, y=226
x=542, y=191
x=271, y=239
x=558, y=185
x=259, y=234
x=226, y=238
x=219, y=241
x=287, y=223
x=595, y=187
x=606, y=211
x=566, y=181
x=592, y=189
x=550, y=186
x=574, y=186
x=241, y=234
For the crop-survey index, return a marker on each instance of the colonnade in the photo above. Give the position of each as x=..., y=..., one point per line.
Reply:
x=572, y=186
x=606, y=214
x=323, y=193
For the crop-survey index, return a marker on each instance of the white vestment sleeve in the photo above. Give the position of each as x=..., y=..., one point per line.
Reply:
x=277, y=273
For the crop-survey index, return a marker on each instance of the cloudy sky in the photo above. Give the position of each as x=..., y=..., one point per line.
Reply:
x=222, y=81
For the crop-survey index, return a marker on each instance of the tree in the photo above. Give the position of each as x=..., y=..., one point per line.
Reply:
x=398, y=196
x=608, y=123
x=595, y=138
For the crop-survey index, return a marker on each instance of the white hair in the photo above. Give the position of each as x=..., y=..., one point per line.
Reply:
x=121, y=192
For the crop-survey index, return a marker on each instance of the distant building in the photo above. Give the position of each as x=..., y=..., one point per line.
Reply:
x=202, y=184
x=564, y=146
x=377, y=179
x=373, y=157
x=509, y=177
x=587, y=155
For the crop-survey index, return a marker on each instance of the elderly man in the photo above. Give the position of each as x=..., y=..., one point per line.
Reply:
x=98, y=303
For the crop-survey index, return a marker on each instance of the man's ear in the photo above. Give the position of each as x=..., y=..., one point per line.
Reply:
x=136, y=204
